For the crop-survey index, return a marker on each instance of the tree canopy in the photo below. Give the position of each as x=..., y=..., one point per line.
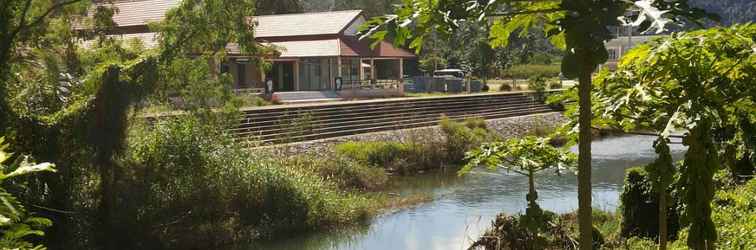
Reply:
x=702, y=84
x=580, y=27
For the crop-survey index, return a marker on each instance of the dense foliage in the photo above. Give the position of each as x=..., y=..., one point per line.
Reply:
x=734, y=215
x=525, y=156
x=580, y=27
x=189, y=183
x=17, y=225
x=464, y=136
x=418, y=153
x=640, y=208
x=701, y=83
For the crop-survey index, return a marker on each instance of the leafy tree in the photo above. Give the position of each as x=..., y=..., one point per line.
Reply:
x=701, y=83
x=16, y=223
x=193, y=39
x=580, y=27
x=525, y=156
x=271, y=7
x=21, y=22
x=76, y=99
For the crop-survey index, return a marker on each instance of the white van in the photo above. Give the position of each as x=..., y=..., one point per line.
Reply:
x=449, y=73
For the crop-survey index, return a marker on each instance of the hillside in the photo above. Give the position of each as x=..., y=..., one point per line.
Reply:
x=731, y=11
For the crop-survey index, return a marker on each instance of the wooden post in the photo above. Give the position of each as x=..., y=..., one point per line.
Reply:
x=362, y=71
x=296, y=75
x=338, y=66
x=372, y=70
x=401, y=77
x=401, y=68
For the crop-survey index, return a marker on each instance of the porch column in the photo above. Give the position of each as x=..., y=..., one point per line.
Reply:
x=401, y=68
x=262, y=73
x=338, y=66
x=401, y=77
x=296, y=75
x=372, y=70
x=362, y=71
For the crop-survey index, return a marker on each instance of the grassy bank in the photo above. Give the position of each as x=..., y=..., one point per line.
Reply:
x=190, y=185
x=184, y=183
x=420, y=153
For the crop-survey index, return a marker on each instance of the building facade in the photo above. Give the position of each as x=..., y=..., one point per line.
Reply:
x=619, y=46
x=314, y=49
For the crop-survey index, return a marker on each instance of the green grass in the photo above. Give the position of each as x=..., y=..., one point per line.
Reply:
x=525, y=71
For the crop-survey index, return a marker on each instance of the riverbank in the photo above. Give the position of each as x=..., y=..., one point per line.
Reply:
x=184, y=183
x=462, y=208
x=734, y=217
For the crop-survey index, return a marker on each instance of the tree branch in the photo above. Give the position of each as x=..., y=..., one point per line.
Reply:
x=22, y=22
x=40, y=18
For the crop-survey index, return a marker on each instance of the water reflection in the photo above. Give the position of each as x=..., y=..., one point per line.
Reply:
x=463, y=207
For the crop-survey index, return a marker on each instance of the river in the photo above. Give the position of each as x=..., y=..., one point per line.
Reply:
x=463, y=207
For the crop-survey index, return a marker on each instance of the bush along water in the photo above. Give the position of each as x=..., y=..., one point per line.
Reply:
x=418, y=154
x=536, y=229
x=188, y=183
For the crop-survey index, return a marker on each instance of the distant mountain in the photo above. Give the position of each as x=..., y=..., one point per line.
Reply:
x=731, y=11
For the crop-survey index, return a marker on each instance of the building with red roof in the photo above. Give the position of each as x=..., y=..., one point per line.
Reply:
x=314, y=49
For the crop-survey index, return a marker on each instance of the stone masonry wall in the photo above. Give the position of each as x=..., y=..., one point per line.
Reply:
x=506, y=127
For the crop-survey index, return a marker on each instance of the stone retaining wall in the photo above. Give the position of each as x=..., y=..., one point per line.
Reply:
x=506, y=127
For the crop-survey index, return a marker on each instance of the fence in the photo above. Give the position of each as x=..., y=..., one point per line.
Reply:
x=420, y=84
x=371, y=84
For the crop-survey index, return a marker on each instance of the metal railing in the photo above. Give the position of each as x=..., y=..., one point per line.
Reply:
x=371, y=84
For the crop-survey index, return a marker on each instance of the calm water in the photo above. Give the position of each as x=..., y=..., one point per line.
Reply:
x=464, y=206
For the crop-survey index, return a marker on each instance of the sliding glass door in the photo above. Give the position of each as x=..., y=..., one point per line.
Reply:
x=316, y=73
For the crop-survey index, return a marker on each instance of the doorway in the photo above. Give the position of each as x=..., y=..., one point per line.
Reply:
x=283, y=76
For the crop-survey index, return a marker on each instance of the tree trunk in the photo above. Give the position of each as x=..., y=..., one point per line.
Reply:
x=532, y=194
x=6, y=43
x=107, y=202
x=584, y=161
x=662, y=218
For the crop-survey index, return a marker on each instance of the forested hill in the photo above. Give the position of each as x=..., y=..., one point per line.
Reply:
x=731, y=11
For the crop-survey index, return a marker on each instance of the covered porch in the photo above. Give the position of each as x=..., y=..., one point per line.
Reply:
x=315, y=65
x=317, y=73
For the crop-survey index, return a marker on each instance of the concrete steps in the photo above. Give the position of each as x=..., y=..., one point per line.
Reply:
x=318, y=121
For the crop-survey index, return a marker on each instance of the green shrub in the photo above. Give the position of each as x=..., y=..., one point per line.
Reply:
x=461, y=137
x=734, y=215
x=640, y=209
x=189, y=183
x=512, y=232
x=375, y=153
x=537, y=83
x=555, y=84
x=395, y=157
x=346, y=172
x=525, y=71
x=505, y=87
